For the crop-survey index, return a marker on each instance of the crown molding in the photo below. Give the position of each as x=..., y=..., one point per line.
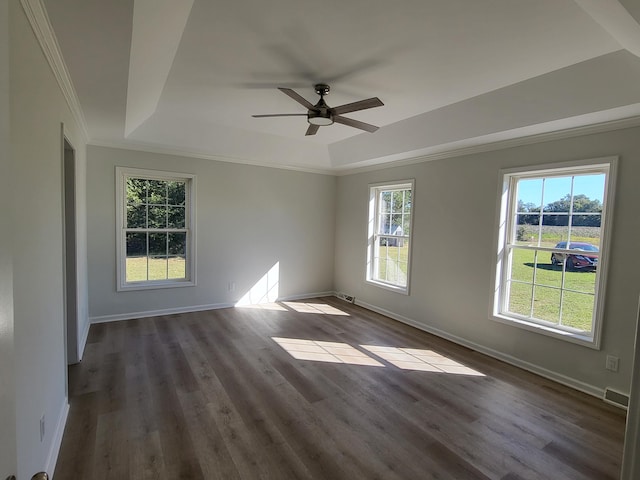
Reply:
x=444, y=152
x=162, y=150
x=483, y=146
x=37, y=15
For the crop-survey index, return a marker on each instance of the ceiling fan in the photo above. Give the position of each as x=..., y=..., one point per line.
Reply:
x=321, y=114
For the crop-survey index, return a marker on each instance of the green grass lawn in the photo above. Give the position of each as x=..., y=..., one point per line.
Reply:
x=172, y=268
x=550, y=236
x=570, y=306
x=392, y=264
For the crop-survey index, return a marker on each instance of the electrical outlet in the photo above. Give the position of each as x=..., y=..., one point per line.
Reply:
x=42, y=427
x=612, y=363
x=232, y=286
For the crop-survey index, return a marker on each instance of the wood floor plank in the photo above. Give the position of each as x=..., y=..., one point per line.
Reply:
x=214, y=395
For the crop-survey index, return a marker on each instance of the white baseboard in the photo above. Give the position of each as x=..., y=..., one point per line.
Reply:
x=306, y=296
x=56, y=441
x=158, y=313
x=543, y=372
x=189, y=309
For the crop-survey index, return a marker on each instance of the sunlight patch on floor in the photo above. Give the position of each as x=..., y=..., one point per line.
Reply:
x=331, y=352
x=320, y=308
x=419, y=359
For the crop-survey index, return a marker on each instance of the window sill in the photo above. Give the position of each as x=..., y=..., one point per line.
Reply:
x=387, y=286
x=550, y=331
x=155, y=285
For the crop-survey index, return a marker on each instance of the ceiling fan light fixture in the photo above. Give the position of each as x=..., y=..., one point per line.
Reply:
x=322, y=115
x=319, y=118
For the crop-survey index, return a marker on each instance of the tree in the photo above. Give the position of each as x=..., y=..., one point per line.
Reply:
x=581, y=204
x=528, y=213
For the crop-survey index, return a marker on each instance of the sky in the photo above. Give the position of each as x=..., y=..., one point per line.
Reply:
x=530, y=191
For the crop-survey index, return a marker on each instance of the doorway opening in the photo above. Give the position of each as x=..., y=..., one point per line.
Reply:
x=70, y=254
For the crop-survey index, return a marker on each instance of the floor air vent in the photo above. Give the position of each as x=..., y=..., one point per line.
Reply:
x=616, y=398
x=346, y=297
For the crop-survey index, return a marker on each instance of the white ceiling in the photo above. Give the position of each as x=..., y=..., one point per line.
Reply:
x=186, y=75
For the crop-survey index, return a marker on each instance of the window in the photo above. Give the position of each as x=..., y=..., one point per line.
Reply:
x=389, y=246
x=551, y=257
x=155, y=229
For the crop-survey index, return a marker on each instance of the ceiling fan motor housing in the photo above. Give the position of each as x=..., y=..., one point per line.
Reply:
x=322, y=115
x=321, y=112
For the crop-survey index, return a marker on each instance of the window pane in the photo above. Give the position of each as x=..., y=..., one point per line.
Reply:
x=555, y=220
x=407, y=202
x=554, y=234
x=176, y=217
x=546, y=304
x=580, y=280
x=548, y=273
x=136, y=244
x=136, y=216
x=176, y=193
x=392, y=261
x=520, y=298
x=527, y=229
x=157, y=192
x=157, y=217
x=396, y=224
x=557, y=194
x=158, y=268
x=385, y=202
x=522, y=263
x=577, y=310
x=177, y=244
x=136, y=269
x=177, y=268
x=587, y=220
x=588, y=193
x=157, y=244
x=136, y=191
x=136, y=257
x=384, y=223
x=529, y=195
x=398, y=201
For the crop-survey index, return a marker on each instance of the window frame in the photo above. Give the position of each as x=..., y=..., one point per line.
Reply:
x=507, y=201
x=373, y=235
x=124, y=173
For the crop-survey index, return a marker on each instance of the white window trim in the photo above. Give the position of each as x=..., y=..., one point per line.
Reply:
x=371, y=229
x=505, y=197
x=122, y=173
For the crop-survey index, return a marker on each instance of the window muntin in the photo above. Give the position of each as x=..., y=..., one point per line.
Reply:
x=390, y=224
x=552, y=240
x=155, y=229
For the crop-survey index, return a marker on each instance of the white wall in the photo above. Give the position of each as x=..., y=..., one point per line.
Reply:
x=454, y=215
x=7, y=377
x=631, y=461
x=248, y=219
x=37, y=109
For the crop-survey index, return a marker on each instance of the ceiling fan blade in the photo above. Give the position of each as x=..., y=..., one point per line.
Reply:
x=280, y=115
x=355, y=123
x=312, y=130
x=355, y=106
x=297, y=97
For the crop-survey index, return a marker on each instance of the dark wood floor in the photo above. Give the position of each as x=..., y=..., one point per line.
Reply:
x=220, y=395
